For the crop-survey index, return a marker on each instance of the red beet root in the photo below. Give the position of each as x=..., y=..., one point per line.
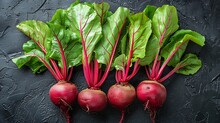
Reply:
x=92, y=100
x=63, y=94
x=121, y=95
x=153, y=95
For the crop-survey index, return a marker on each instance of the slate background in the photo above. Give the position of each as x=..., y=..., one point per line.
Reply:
x=191, y=99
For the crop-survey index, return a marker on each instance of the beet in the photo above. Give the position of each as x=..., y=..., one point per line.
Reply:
x=92, y=100
x=63, y=94
x=152, y=94
x=121, y=95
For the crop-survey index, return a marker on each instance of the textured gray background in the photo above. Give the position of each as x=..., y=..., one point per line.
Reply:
x=191, y=99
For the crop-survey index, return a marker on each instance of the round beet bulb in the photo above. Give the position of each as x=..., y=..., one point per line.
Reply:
x=152, y=94
x=63, y=93
x=121, y=95
x=92, y=100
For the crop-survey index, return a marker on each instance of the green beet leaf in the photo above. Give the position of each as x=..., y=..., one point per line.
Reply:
x=71, y=48
x=123, y=41
x=73, y=54
x=152, y=49
x=139, y=33
x=122, y=44
x=36, y=48
x=30, y=45
x=102, y=10
x=44, y=47
x=59, y=17
x=134, y=40
x=84, y=20
x=133, y=49
x=149, y=11
x=112, y=30
x=178, y=43
x=38, y=31
x=34, y=63
x=164, y=22
x=34, y=59
x=189, y=65
x=120, y=62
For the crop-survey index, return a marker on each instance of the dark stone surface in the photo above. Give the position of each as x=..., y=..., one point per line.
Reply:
x=191, y=99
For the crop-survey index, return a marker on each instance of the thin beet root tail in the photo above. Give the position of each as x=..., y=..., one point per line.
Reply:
x=153, y=112
x=65, y=108
x=146, y=106
x=87, y=108
x=122, y=116
x=152, y=115
x=67, y=116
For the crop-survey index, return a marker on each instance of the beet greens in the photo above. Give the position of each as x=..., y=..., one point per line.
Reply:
x=91, y=35
x=166, y=47
x=51, y=48
x=132, y=49
x=99, y=32
x=112, y=30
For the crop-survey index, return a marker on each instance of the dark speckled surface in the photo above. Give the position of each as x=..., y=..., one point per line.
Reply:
x=191, y=99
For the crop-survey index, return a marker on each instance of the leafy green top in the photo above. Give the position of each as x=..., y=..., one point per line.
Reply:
x=51, y=46
x=89, y=34
x=138, y=32
x=167, y=45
